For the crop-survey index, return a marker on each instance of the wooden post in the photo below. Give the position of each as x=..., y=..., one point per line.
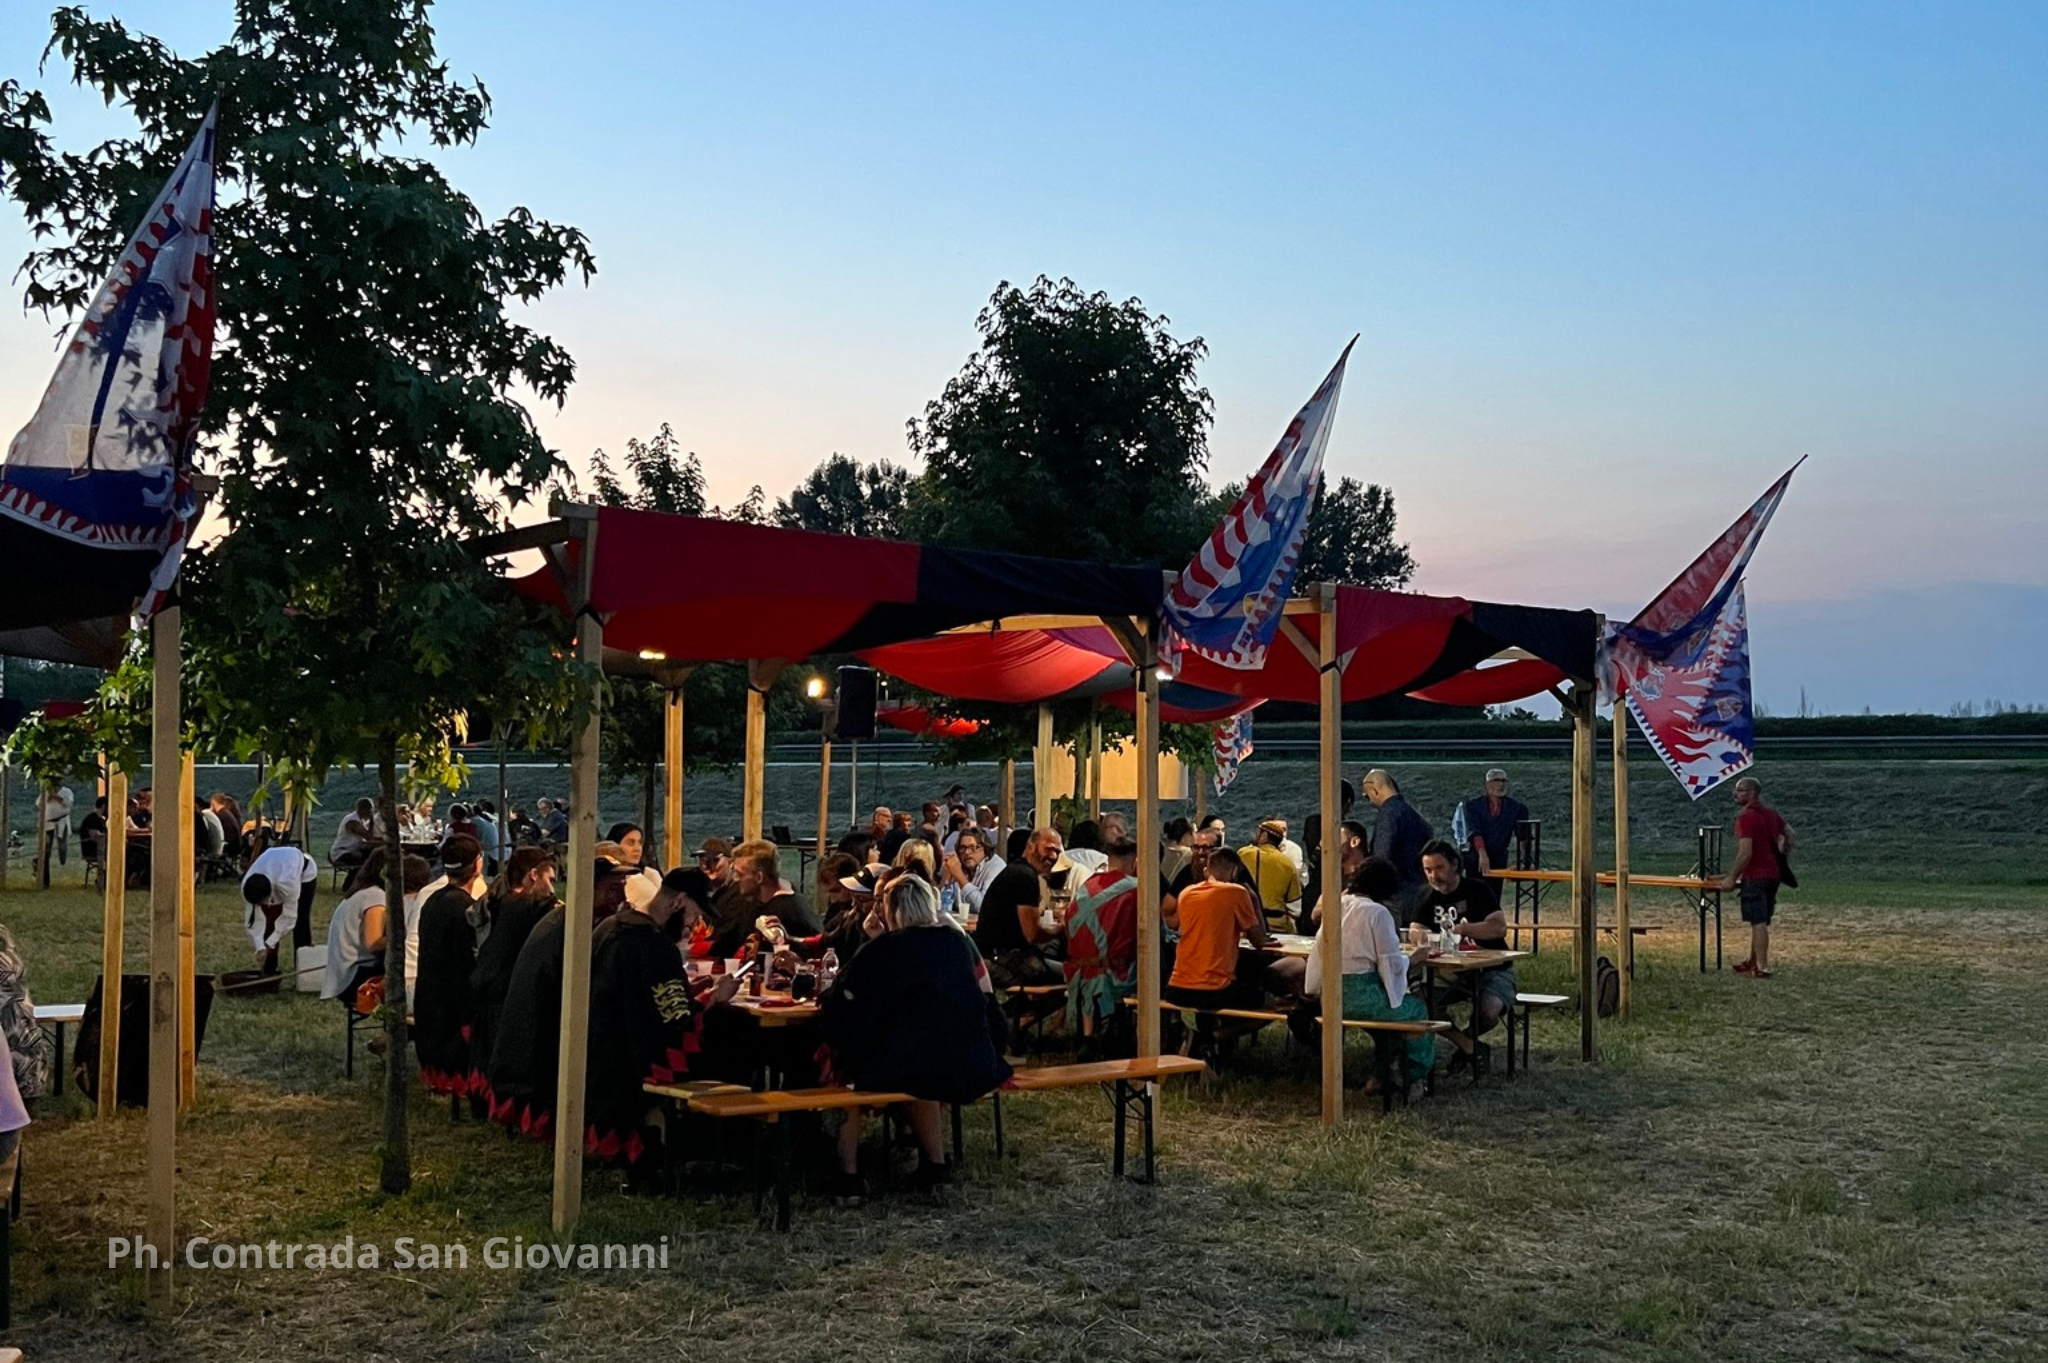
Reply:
x=672, y=770
x=824, y=798
x=39, y=860
x=573, y=1057
x=1201, y=780
x=503, y=819
x=1330, y=760
x=1147, y=703
x=1584, y=872
x=1041, y=772
x=168, y=833
x=1095, y=761
x=1626, y=937
x=761, y=674
x=114, y=879
x=188, y=941
x=1006, y=811
x=6, y=819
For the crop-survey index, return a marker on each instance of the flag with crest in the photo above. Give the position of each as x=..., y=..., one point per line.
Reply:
x=1233, y=746
x=1226, y=603
x=1682, y=665
x=97, y=486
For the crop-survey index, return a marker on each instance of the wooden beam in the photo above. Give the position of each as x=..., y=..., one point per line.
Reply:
x=188, y=942
x=1006, y=813
x=673, y=851
x=114, y=879
x=1095, y=762
x=169, y=831
x=1041, y=772
x=573, y=1057
x=1584, y=872
x=1312, y=653
x=824, y=800
x=1627, y=943
x=1329, y=746
x=761, y=675
x=522, y=537
x=1147, y=705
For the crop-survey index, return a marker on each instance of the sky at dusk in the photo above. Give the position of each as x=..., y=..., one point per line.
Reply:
x=1614, y=267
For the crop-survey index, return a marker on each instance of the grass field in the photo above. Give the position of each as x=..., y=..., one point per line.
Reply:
x=1850, y=1159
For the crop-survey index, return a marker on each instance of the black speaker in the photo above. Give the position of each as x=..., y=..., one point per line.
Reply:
x=855, y=715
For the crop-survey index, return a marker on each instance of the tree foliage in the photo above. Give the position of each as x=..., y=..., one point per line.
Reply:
x=843, y=497
x=1077, y=430
x=362, y=411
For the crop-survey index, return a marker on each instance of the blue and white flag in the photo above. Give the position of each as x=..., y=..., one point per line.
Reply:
x=1226, y=604
x=1233, y=746
x=105, y=463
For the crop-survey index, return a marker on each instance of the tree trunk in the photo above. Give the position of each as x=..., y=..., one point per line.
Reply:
x=396, y=1175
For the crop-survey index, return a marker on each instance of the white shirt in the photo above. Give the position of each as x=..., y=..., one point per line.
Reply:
x=967, y=898
x=289, y=870
x=1292, y=851
x=412, y=929
x=1371, y=943
x=345, y=939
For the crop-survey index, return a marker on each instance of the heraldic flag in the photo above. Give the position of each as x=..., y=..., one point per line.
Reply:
x=1682, y=665
x=1226, y=604
x=95, y=493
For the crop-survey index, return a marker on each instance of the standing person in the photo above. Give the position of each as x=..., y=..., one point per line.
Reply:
x=1490, y=822
x=1398, y=834
x=278, y=892
x=1763, y=843
x=485, y=818
x=450, y=921
x=56, y=823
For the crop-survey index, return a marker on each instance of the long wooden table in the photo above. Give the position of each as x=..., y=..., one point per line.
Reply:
x=1704, y=895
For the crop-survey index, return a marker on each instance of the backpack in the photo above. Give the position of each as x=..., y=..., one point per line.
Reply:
x=1607, y=988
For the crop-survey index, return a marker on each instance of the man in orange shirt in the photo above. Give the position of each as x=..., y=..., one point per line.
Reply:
x=1210, y=918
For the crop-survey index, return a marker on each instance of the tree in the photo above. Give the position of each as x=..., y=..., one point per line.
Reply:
x=841, y=497
x=1077, y=430
x=361, y=410
x=663, y=477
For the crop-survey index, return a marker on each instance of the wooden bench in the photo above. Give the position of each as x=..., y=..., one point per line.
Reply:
x=1129, y=1082
x=1525, y=1004
x=1387, y=1039
x=1023, y=996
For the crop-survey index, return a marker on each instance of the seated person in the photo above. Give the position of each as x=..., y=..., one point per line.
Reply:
x=1470, y=906
x=643, y=1020
x=1013, y=936
x=357, y=931
x=1275, y=877
x=1375, y=968
x=92, y=834
x=353, y=839
x=522, y=895
x=971, y=867
x=450, y=921
x=1207, y=969
x=28, y=1043
x=1102, y=944
x=912, y=1013
x=759, y=891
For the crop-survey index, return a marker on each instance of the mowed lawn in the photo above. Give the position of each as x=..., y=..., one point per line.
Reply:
x=1849, y=1159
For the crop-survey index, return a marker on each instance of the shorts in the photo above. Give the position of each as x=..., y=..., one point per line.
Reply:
x=1759, y=900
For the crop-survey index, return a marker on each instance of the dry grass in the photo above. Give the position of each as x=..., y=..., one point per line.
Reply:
x=1850, y=1159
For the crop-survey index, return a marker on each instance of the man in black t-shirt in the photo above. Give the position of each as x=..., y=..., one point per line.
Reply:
x=1469, y=905
x=1013, y=940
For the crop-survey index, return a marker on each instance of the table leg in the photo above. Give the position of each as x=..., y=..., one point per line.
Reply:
x=57, y=1083
x=782, y=1173
x=1116, y=1164
x=1150, y=1090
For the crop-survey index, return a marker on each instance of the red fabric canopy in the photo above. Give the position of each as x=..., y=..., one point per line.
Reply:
x=699, y=590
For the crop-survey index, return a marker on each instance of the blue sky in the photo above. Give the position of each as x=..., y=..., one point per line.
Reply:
x=1615, y=266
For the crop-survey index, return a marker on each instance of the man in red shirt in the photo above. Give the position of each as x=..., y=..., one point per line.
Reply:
x=1762, y=841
